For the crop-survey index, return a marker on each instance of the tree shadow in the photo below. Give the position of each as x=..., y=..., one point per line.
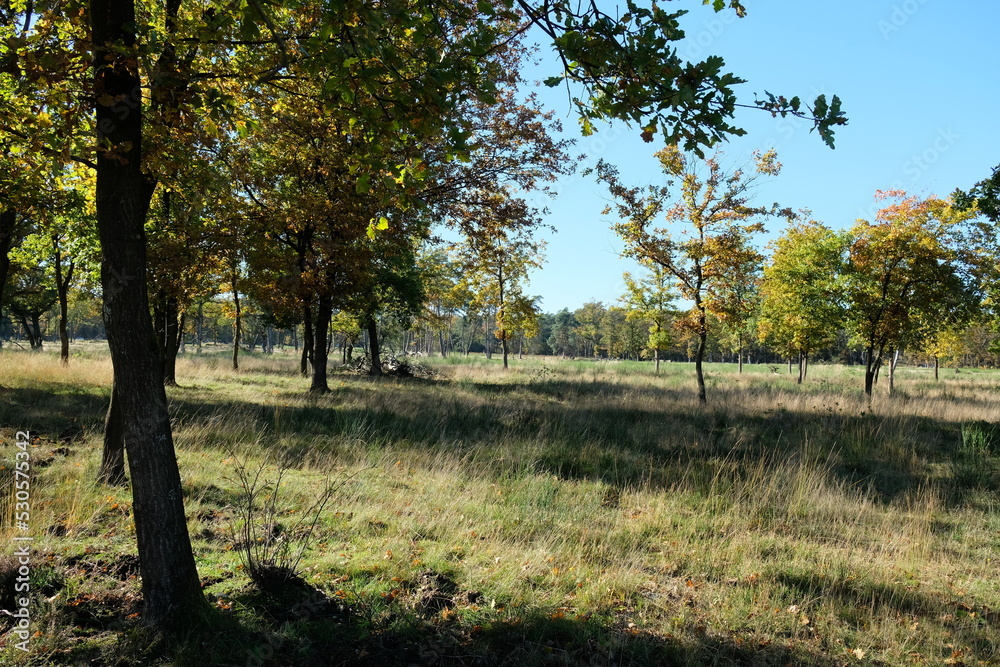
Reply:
x=301, y=635
x=888, y=457
x=973, y=627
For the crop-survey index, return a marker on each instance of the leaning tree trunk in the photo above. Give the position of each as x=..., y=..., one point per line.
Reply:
x=171, y=591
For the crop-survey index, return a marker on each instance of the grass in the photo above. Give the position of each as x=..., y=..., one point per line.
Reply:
x=566, y=512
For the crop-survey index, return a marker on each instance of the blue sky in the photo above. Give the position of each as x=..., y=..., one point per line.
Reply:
x=919, y=80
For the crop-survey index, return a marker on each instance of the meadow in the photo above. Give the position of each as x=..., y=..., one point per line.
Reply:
x=563, y=512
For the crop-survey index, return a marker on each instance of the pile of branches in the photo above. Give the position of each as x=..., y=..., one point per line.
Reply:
x=393, y=366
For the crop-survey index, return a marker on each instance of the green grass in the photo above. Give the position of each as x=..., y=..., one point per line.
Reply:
x=566, y=512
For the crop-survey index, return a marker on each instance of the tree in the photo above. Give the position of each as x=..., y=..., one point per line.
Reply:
x=562, y=340
x=497, y=262
x=802, y=308
x=983, y=196
x=907, y=276
x=716, y=208
x=173, y=67
x=737, y=297
x=649, y=299
x=588, y=326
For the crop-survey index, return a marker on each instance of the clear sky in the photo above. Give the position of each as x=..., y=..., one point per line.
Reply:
x=919, y=81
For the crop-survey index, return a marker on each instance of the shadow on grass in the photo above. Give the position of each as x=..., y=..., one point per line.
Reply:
x=405, y=638
x=545, y=426
x=557, y=427
x=860, y=601
x=52, y=413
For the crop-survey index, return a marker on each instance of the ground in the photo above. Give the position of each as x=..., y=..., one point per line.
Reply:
x=563, y=512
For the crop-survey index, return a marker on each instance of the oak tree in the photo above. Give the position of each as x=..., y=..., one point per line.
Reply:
x=718, y=224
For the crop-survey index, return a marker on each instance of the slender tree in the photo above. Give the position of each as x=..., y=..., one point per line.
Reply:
x=649, y=300
x=720, y=224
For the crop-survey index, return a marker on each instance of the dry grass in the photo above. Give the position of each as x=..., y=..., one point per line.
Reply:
x=575, y=511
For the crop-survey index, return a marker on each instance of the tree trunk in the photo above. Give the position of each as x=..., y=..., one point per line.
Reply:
x=504, y=346
x=112, y=469
x=237, y=325
x=373, y=346
x=802, y=367
x=469, y=330
x=171, y=591
x=872, y=364
x=201, y=319
x=167, y=334
x=892, y=370
x=307, y=340
x=739, y=351
x=656, y=356
x=700, y=355
x=63, y=282
x=936, y=365
x=33, y=330
x=324, y=311
x=8, y=220
x=490, y=324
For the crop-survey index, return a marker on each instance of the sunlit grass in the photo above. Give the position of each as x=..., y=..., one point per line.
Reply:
x=577, y=506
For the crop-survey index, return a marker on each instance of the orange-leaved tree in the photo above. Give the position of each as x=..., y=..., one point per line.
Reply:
x=720, y=222
x=909, y=273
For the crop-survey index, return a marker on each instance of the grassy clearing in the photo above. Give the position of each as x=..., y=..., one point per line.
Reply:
x=567, y=512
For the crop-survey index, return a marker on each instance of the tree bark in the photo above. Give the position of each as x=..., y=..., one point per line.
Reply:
x=892, y=371
x=872, y=364
x=201, y=321
x=237, y=324
x=700, y=354
x=324, y=311
x=63, y=281
x=802, y=367
x=307, y=340
x=8, y=220
x=373, y=346
x=171, y=590
x=112, y=470
x=167, y=336
x=936, y=366
x=739, y=351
